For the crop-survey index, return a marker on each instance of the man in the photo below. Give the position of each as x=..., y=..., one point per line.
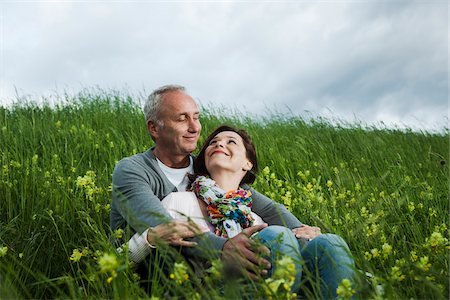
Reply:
x=140, y=183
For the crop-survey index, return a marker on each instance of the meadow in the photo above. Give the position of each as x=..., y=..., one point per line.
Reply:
x=385, y=191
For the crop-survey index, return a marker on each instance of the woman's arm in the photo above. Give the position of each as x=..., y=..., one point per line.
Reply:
x=271, y=212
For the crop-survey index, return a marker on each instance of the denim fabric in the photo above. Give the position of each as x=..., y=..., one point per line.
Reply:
x=324, y=261
x=281, y=241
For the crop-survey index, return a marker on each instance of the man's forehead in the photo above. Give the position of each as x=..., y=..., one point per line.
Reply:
x=178, y=102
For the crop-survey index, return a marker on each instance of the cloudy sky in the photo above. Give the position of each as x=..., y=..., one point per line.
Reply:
x=372, y=61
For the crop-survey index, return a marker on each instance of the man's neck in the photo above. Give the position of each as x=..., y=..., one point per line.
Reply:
x=172, y=161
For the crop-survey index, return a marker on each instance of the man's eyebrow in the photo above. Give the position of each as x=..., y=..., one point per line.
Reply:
x=188, y=113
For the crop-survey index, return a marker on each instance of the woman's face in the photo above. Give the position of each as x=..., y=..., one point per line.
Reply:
x=226, y=151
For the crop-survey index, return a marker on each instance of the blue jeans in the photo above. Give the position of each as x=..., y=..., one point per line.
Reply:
x=325, y=260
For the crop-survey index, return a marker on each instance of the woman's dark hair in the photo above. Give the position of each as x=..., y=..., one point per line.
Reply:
x=199, y=163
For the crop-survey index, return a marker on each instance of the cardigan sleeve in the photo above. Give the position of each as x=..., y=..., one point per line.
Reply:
x=134, y=201
x=273, y=213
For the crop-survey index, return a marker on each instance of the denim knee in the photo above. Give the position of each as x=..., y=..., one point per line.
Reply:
x=328, y=241
x=279, y=235
x=276, y=231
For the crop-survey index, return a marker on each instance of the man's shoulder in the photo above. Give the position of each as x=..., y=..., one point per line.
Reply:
x=144, y=160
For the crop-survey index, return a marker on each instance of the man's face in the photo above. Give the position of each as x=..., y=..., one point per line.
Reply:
x=180, y=129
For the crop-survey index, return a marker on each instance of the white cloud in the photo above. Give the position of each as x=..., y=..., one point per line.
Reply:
x=376, y=61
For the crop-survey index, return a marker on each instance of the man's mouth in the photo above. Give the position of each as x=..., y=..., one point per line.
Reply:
x=191, y=138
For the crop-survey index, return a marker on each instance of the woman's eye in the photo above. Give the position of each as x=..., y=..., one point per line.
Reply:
x=232, y=141
x=212, y=142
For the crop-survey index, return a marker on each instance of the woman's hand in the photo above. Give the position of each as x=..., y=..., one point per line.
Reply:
x=174, y=232
x=306, y=232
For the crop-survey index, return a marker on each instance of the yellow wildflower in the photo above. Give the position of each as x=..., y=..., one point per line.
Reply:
x=423, y=264
x=386, y=250
x=3, y=251
x=375, y=252
x=436, y=239
x=413, y=256
x=279, y=285
x=118, y=234
x=216, y=268
x=396, y=274
x=179, y=274
x=108, y=263
x=76, y=255
x=345, y=290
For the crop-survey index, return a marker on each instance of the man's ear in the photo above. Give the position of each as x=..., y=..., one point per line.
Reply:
x=152, y=128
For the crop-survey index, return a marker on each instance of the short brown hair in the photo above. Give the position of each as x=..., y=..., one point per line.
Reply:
x=199, y=163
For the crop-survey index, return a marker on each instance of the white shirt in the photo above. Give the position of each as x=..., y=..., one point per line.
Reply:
x=178, y=177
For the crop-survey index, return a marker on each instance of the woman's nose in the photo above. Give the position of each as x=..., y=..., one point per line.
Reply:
x=219, y=144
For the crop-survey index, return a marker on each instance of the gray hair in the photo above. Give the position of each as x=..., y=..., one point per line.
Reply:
x=153, y=104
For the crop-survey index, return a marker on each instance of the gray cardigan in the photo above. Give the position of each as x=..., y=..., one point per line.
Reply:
x=139, y=185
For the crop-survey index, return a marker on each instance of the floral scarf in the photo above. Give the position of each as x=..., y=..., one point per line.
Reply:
x=229, y=212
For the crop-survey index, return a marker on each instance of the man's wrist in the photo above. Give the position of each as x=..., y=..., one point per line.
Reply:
x=148, y=237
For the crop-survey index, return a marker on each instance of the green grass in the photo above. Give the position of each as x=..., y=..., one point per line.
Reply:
x=384, y=191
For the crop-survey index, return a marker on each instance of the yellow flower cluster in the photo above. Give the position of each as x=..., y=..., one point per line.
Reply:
x=77, y=254
x=345, y=289
x=3, y=251
x=179, y=274
x=87, y=184
x=108, y=263
x=436, y=240
x=216, y=268
x=279, y=285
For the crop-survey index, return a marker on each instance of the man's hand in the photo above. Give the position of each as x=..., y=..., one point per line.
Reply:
x=306, y=232
x=246, y=253
x=174, y=233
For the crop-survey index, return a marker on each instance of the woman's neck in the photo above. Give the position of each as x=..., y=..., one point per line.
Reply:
x=226, y=181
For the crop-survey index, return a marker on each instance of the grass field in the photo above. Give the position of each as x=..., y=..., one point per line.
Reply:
x=386, y=192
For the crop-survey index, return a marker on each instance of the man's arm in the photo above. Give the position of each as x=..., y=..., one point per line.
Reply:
x=133, y=199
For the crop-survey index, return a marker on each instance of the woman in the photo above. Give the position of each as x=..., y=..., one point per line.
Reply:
x=225, y=165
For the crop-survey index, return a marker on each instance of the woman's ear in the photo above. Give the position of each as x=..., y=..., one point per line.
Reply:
x=248, y=166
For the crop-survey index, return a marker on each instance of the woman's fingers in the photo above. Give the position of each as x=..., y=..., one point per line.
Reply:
x=307, y=232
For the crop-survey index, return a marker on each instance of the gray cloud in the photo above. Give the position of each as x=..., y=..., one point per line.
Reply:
x=376, y=61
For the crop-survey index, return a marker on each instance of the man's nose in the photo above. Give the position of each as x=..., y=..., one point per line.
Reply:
x=194, y=125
